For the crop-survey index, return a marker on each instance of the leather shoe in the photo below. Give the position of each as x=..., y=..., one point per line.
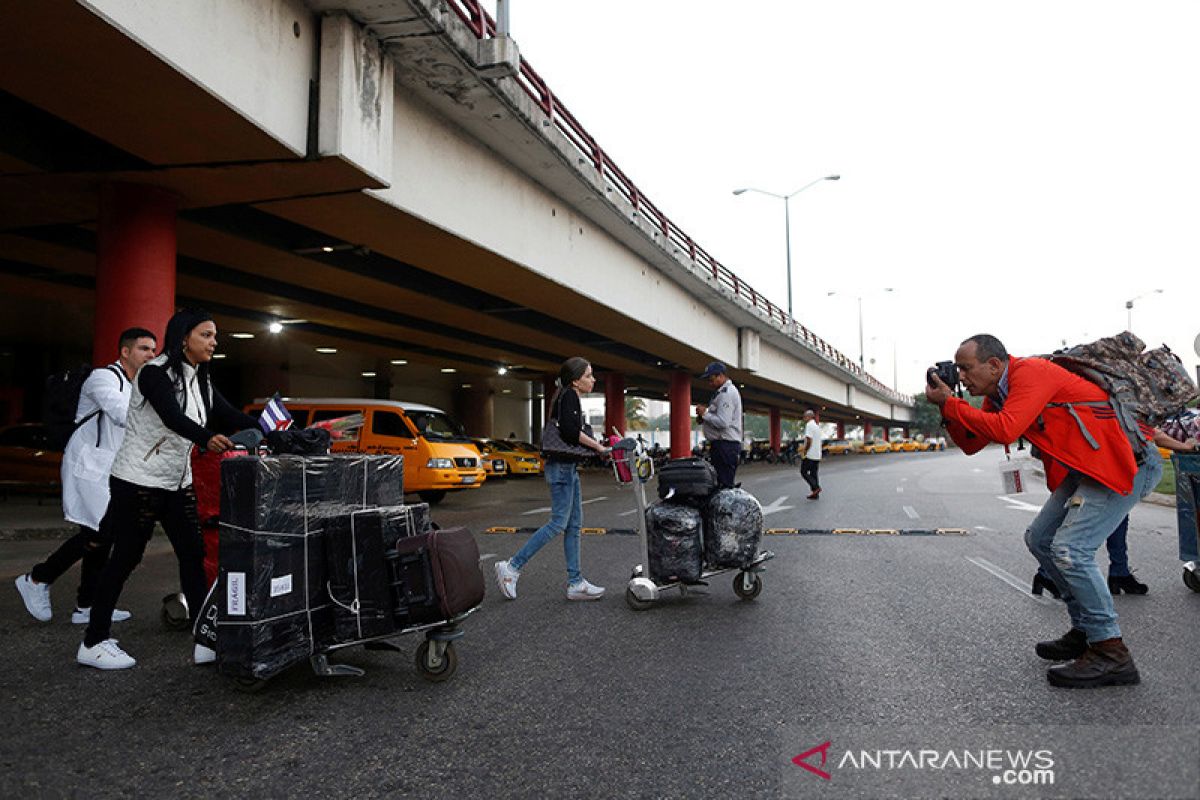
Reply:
x=816, y=495
x=1128, y=583
x=1105, y=663
x=1041, y=582
x=1072, y=644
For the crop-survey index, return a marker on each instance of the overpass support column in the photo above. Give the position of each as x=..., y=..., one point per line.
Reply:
x=905, y=432
x=776, y=430
x=614, y=403
x=885, y=432
x=841, y=428
x=135, y=264
x=866, y=431
x=681, y=414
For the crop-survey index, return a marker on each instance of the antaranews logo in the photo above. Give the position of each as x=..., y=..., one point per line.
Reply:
x=1010, y=767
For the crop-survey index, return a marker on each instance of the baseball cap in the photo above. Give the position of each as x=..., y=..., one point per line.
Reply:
x=714, y=368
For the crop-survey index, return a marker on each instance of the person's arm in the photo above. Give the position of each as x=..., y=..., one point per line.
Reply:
x=1026, y=400
x=225, y=417
x=104, y=387
x=156, y=386
x=570, y=422
x=720, y=414
x=1162, y=439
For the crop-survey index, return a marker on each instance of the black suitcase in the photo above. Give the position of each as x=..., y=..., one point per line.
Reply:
x=687, y=480
x=733, y=527
x=357, y=573
x=675, y=541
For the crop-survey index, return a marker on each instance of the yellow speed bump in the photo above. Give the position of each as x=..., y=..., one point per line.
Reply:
x=500, y=529
x=848, y=531
x=882, y=532
x=594, y=531
x=781, y=531
x=950, y=531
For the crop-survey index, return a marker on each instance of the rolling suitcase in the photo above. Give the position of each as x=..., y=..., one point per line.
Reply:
x=435, y=576
x=687, y=480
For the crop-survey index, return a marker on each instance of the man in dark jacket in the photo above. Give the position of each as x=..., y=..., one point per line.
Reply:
x=1069, y=421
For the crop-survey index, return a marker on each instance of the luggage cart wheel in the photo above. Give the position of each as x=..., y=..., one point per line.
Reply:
x=436, y=660
x=249, y=685
x=175, y=613
x=747, y=585
x=1191, y=579
x=635, y=602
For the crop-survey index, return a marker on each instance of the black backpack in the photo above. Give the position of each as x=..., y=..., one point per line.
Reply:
x=61, y=401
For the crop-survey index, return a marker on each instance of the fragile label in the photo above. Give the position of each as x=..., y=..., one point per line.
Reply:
x=235, y=594
x=281, y=585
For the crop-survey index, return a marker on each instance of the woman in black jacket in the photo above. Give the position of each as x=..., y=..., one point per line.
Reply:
x=566, y=499
x=173, y=407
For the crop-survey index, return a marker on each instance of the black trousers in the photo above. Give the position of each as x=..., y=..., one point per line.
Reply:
x=808, y=470
x=724, y=457
x=88, y=546
x=132, y=512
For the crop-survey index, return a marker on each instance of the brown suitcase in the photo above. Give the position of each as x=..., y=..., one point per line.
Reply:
x=435, y=576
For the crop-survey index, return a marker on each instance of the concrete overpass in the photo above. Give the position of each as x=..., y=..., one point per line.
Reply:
x=386, y=175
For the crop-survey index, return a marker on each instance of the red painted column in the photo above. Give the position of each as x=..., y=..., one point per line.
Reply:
x=614, y=403
x=135, y=264
x=841, y=430
x=680, y=396
x=776, y=430
x=866, y=431
x=885, y=432
x=906, y=435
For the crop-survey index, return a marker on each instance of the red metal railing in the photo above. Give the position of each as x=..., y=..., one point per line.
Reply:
x=472, y=13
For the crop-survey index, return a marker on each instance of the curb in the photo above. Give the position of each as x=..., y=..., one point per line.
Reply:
x=1160, y=499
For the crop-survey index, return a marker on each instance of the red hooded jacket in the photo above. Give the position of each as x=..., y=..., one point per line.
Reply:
x=1034, y=383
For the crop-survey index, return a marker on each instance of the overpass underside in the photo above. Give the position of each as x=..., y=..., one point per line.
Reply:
x=433, y=227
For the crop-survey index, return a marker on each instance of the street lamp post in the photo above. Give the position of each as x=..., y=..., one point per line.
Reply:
x=861, y=363
x=787, y=222
x=1129, y=308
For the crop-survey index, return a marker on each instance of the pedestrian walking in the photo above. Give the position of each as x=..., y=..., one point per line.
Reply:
x=810, y=461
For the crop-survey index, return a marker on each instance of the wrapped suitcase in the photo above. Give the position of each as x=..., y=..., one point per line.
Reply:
x=687, y=480
x=435, y=576
x=733, y=526
x=675, y=542
x=358, y=582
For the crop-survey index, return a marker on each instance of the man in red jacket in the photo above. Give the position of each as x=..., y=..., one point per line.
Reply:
x=1069, y=421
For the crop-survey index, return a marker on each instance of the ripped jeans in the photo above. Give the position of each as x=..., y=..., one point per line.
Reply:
x=1066, y=534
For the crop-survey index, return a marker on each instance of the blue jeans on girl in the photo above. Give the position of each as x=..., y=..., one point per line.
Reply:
x=566, y=517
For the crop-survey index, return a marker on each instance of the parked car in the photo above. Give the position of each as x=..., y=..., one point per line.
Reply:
x=27, y=461
x=518, y=460
x=874, y=446
x=836, y=447
x=897, y=445
x=493, y=464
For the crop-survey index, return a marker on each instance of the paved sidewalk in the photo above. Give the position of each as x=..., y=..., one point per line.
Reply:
x=28, y=517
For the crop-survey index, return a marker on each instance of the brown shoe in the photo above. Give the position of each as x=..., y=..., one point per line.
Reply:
x=1104, y=663
x=1070, y=645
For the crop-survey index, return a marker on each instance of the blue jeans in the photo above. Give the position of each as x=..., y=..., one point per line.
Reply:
x=566, y=517
x=1066, y=534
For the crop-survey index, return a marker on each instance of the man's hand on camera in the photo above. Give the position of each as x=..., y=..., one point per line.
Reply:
x=937, y=393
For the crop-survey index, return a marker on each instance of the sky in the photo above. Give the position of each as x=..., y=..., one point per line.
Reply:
x=1020, y=168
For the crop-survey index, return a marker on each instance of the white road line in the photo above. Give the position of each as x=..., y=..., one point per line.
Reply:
x=1008, y=578
x=871, y=469
x=628, y=513
x=984, y=528
x=487, y=556
x=899, y=490
x=547, y=508
x=776, y=507
x=1018, y=505
x=912, y=512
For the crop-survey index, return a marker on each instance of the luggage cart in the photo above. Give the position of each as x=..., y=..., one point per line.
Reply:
x=632, y=466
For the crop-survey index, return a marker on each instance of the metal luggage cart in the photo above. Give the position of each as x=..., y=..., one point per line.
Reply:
x=632, y=466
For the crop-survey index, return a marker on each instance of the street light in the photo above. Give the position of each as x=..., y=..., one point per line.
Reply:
x=861, y=364
x=1129, y=308
x=787, y=222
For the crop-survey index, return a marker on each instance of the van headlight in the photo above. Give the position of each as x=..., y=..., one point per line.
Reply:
x=440, y=463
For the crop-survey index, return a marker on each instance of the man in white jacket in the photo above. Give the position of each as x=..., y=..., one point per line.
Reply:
x=100, y=416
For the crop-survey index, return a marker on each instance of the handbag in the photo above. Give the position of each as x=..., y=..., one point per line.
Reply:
x=554, y=446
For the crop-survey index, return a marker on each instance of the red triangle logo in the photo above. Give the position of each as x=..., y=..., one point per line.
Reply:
x=802, y=760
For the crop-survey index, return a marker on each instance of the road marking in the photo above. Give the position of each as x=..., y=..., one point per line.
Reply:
x=912, y=512
x=1018, y=505
x=776, y=507
x=871, y=469
x=899, y=489
x=984, y=528
x=1008, y=578
x=547, y=508
x=976, y=469
x=627, y=513
x=487, y=556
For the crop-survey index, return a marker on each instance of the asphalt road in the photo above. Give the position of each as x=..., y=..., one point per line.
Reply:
x=880, y=645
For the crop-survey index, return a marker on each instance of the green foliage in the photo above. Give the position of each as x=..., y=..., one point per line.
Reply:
x=635, y=413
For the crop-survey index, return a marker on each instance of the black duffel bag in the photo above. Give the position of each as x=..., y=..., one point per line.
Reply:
x=687, y=480
x=299, y=442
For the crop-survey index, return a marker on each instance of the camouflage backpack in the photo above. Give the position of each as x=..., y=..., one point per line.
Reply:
x=1146, y=387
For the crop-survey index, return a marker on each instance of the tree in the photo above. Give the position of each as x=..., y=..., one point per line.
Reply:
x=635, y=413
x=927, y=418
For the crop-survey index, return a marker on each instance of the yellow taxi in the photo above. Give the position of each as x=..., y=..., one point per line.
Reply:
x=836, y=447
x=875, y=446
x=493, y=465
x=521, y=458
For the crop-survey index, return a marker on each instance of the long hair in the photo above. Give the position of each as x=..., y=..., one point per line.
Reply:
x=571, y=370
x=179, y=327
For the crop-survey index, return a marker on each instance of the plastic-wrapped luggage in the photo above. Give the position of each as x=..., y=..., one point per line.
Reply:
x=687, y=480
x=675, y=542
x=358, y=576
x=273, y=607
x=733, y=526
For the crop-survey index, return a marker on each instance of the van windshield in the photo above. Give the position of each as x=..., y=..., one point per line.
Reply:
x=438, y=427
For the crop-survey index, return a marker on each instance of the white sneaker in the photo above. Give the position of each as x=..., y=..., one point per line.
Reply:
x=105, y=655
x=584, y=591
x=203, y=655
x=36, y=597
x=506, y=579
x=82, y=616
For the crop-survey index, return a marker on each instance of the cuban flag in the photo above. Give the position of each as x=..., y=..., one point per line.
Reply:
x=275, y=416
